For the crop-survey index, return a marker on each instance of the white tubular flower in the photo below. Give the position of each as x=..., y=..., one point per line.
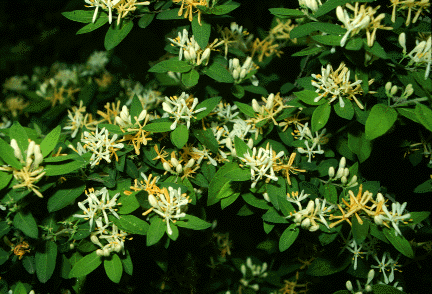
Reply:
x=171, y=205
x=124, y=119
x=296, y=198
x=383, y=266
x=181, y=108
x=396, y=215
x=353, y=26
x=97, y=206
x=337, y=83
x=17, y=150
x=94, y=3
x=100, y=145
x=402, y=42
x=240, y=72
x=309, y=151
x=261, y=163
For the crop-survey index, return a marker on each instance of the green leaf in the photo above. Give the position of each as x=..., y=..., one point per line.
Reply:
x=288, y=237
x=190, y=79
x=346, y=112
x=50, y=141
x=276, y=191
x=26, y=223
x=408, y=113
x=238, y=91
x=101, y=20
x=309, y=51
x=245, y=108
x=285, y=12
x=155, y=231
x=379, y=121
x=29, y=264
x=115, y=34
x=201, y=32
x=224, y=9
x=112, y=129
x=360, y=232
x=158, y=127
x=113, y=268
x=417, y=216
x=172, y=64
x=238, y=174
x=46, y=261
x=424, y=115
x=7, y=154
x=219, y=73
x=330, y=40
x=209, y=104
x=5, y=179
x=179, y=136
x=376, y=49
x=250, y=199
x=228, y=189
x=84, y=16
x=399, y=242
x=85, y=265
x=320, y=116
x=169, y=14
x=20, y=289
x=193, y=222
x=323, y=267
x=332, y=4
x=308, y=97
x=146, y=20
x=129, y=203
x=241, y=147
x=4, y=228
x=424, y=187
x=330, y=193
x=360, y=146
x=127, y=263
x=354, y=44
x=218, y=181
x=256, y=90
x=207, y=138
x=307, y=28
x=134, y=225
x=65, y=168
x=64, y=196
x=225, y=202
x=272, y=216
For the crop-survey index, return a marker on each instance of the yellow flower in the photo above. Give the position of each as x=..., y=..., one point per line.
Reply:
x=189, y=5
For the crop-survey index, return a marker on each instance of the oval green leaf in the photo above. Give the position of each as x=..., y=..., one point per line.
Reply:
x=113, y=268
x=85, y=265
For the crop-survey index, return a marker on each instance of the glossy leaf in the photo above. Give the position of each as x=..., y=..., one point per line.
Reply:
x=113, y=268
x=399, y=242
x=115, y=35
x=65, y=196
x=380, y=120
x=85, y=265
x=288, y=237
x=320, y=117
x=172, y=64
x=156, y=230
x=46, y=261
x=201, y=32
x=179, y=136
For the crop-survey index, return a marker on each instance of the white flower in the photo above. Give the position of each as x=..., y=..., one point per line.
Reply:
x=180, y=110
x=261, y=163
x=100, y=145
x=96, y=205
x=382, y=265
x=170, y=204
x=396, y=215
x=240, y=72
x=296, y=198
x=309, y=151
x=353, y=26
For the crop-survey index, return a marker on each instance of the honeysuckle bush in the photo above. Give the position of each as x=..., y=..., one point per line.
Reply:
x=97, y=168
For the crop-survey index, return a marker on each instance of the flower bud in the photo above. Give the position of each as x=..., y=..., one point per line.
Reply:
x=346, y=172
x=71, y=246
x=99, y=252
x=254, y=287
x=206, y=54
x=402, y=41
x=190, y=163
x=353, y=181
x=298, y=218
x=256, y=107
x=250, y=143
x=236, y=74
x=30, y=149
x=408, y=91
x=243, y=73
x=106, y=252
x=344, y=180
x=368, y=288
x=179, y=168
x=310, y=206
x=38, y=156
x=270, y=101
x=306, y=223
x=166, y=166
x=370, y=276
x=314, y=228
x=142, y=115
x=349, y=285
x=187, y=55
x=17, y=150
x=235, y=63
x=340, y=14
x=266, y=196
x=174, y=161
x=331, y=172
x=152, y=200
x=339, y=173
x=166, y=107
x=380, y=198
x=393, y=90
x=388, y=86
x=247, y=63
x=342, y=162
x=378, y=219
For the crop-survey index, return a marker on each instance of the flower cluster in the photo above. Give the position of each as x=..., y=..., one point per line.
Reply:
x=252, y=272
x=240, y=72
x=337, y=83
x=31, y=171
x=182, y=107
x=113, y=238
x=261, y=163
x=170, y=204
x=421, y=54
x=99, y=144
x=98, y=202
x=123, y=7
x=79, y=118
